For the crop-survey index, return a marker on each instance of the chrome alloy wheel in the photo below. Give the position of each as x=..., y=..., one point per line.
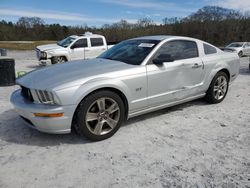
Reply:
x=220, y=87
x=60, y=59
x=102, y=116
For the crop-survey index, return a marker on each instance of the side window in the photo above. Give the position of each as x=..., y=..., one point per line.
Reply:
x=209, y=49
x=179, y=49
x=96, y=41
x=81, y=43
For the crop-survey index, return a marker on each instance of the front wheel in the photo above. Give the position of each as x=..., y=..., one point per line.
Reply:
x=99, y=115
x=58, y=59
x=218, y=88
x=240, y=54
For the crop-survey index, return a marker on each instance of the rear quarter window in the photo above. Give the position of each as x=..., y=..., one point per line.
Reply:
x=209, y=49
x=96, y=41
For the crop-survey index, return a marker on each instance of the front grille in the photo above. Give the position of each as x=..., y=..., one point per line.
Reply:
x=37, y=53
x=27, y=94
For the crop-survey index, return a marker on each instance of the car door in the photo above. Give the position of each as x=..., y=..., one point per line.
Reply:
x=97, y=47
x=77, y=49
x=178, y=79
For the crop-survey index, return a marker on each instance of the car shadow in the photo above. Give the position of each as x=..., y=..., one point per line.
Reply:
x=244, y=71
x=244, y=66
x=14, y=130
x=180, y=107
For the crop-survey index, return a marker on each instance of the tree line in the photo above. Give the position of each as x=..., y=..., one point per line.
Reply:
x=213, y=24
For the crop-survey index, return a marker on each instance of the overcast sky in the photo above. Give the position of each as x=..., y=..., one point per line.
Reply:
x=98, y=12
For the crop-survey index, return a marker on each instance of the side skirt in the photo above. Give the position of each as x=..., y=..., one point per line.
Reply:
x=151, y=109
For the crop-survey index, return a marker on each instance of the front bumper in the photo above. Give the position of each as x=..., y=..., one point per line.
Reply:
x=56, y=125
x=40, y=58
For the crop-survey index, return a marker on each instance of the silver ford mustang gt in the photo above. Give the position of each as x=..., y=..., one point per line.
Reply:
x=140, y=75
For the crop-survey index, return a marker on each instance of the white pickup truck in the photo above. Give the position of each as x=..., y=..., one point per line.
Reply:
x=84, y=46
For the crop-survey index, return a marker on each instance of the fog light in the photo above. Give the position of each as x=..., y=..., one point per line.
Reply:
x=48, y=115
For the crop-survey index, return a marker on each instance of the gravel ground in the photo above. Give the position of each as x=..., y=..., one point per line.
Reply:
x=189, y=145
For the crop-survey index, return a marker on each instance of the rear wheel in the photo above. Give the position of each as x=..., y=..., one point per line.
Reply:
x=58, y=59
x=218, y=88
x=99, y=115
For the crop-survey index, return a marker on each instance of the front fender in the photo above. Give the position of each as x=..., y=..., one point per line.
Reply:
x=51, y=54
x=90, y=86
x=74, y=95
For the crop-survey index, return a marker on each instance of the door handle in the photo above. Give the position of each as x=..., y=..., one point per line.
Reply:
x=196, y=65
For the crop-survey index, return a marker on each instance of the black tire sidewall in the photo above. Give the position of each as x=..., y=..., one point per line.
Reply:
x=240, y=54
x=82, y=128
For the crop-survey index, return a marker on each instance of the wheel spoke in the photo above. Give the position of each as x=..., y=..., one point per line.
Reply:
x=113, y=108
x=91, y=116
x=222, y=92
x=217, y=95
x=101, y=104
x=224, y=83
x=98, y=128
x=111, y=122
x=216, y=88
x=219, y=80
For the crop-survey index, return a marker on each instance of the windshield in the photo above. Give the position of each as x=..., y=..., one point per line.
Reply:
x=131, y=51
x=236, y=45
x=66, y=42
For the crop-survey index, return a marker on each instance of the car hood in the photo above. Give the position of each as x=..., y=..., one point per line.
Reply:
x=73, y=73
x=233, y=48
x=49, y=47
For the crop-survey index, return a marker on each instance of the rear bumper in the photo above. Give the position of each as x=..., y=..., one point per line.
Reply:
x=55, y=125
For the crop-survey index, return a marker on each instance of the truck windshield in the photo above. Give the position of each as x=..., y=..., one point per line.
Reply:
x=66, y=42
x=131, y=51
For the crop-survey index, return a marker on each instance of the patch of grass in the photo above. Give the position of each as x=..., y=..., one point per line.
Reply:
x=25, y=45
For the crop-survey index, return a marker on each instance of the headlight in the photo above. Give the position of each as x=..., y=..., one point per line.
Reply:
x=43, y=54
x=44, y=97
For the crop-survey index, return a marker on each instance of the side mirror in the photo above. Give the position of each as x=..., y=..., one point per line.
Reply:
x=163, y=58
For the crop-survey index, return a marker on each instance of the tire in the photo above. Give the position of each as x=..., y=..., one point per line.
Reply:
x=240, y=54
x=218, y=88
x=58, y=59
x=99, y=115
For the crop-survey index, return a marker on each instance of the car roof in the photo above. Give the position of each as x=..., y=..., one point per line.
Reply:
x=86, y=34
x=155, y=37
x=163, y=37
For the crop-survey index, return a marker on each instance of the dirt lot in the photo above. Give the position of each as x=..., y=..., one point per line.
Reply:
x=190, y=145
